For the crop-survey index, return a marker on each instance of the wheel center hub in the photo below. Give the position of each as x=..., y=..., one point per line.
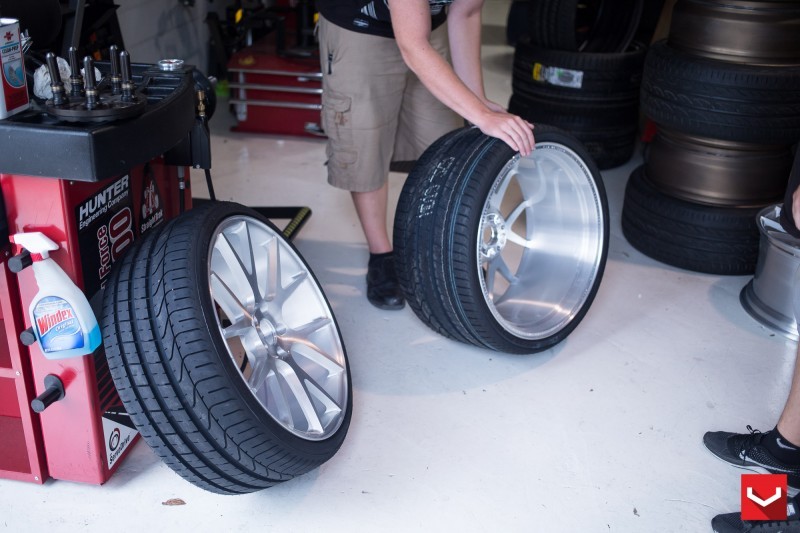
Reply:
x=265, y=327
x=494, y=235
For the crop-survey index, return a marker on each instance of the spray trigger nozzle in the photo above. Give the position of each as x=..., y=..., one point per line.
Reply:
x=35, y=242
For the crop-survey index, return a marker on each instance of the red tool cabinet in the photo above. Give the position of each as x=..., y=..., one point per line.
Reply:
x=93, y=188
x=275, y=94
x=83, y=436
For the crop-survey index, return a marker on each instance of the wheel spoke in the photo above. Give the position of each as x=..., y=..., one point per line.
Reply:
x=260, y=364
x=273, y=270
x=227, y=266
x=496, y=266
x=249, y=275
x=226, y=298
x=519, y=240
x=495, y=201
x=280, y=405
x=307, y=379
x=305, y=331
x=317, y=356
x=300, y=395
x=240, y=328
x=287, y=291
x=510, y=219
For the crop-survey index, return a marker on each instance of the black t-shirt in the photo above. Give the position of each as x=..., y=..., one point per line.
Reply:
x=372, y=16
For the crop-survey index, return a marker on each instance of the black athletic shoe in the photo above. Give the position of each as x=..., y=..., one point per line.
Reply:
x=383, y=289
x=733, y=523
x=746, y=451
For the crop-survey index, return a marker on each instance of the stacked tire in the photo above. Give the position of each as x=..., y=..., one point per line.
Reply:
x=724, y=93
x=579, y=68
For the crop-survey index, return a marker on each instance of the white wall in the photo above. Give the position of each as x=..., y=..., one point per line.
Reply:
x=166, y=29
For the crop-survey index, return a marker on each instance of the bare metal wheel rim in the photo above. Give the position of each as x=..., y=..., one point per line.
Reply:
x=540, y=241
x=278, y=328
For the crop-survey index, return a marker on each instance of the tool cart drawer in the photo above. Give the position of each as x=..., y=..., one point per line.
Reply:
x=274, y=94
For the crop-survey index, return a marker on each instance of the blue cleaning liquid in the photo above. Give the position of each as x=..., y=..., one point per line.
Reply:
x=59, y=330
x=63, y=319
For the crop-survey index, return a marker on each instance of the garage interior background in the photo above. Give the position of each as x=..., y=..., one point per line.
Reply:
x=602, y=433
x=159, y=29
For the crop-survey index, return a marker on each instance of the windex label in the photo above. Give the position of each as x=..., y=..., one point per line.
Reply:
x=14, y=87
x=57, y=327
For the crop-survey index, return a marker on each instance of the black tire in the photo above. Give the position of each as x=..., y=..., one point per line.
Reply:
x=175, y=375
x=608, y=75
x=594, y=97
x=607, y=128
x=587, y=26
x=438, y=231
x=700, y=238
x=727, y=101
x=413, y=263
x=517, y=22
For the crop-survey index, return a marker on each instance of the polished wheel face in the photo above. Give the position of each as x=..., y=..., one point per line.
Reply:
x=540, y=241
x=278, y=327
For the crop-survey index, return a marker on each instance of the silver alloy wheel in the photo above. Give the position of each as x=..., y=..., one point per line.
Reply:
x=278, y=328
x=540, y=241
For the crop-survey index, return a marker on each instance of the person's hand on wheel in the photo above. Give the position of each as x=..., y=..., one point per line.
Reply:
x=511, y=129
x=494, y=106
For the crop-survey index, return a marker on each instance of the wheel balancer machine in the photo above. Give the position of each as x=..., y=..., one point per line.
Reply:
x=94, y=168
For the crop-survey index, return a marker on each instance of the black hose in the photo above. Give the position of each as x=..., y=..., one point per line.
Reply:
x=211, y=194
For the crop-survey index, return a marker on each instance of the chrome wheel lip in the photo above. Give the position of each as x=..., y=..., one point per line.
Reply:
x=285, y=336
x=592, y=242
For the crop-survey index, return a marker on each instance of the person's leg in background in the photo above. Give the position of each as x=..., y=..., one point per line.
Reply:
x=777, y=451
x=788, y=427
x=364, y=77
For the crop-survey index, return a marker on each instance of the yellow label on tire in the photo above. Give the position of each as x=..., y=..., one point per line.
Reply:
x=537, y=71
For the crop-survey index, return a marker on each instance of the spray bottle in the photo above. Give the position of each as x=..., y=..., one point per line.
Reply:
x=62, y=318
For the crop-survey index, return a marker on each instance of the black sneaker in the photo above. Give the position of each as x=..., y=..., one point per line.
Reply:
x=383, y=289
x=733, y=523
x=746, y=451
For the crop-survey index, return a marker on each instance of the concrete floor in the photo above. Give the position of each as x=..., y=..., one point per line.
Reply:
x=601, y=433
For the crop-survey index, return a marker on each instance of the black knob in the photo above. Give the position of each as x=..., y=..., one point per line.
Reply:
x=90, y=82
x=54, y=391
x=75, y=78
x=127, y=84
x=28, y=337
x=116, y=77
x=56, y=85
x=20, y=262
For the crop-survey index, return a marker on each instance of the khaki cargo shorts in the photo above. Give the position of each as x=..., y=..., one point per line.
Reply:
x=374, y=109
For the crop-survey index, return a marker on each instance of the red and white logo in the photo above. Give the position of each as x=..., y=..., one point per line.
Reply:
x=764, y=496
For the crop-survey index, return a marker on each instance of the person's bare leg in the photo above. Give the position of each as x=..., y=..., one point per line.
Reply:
x=383, y=290
x=371, y=208
x=789, y=422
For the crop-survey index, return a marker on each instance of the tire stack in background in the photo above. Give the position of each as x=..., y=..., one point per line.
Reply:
x=579, y=68
x=724, y=93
